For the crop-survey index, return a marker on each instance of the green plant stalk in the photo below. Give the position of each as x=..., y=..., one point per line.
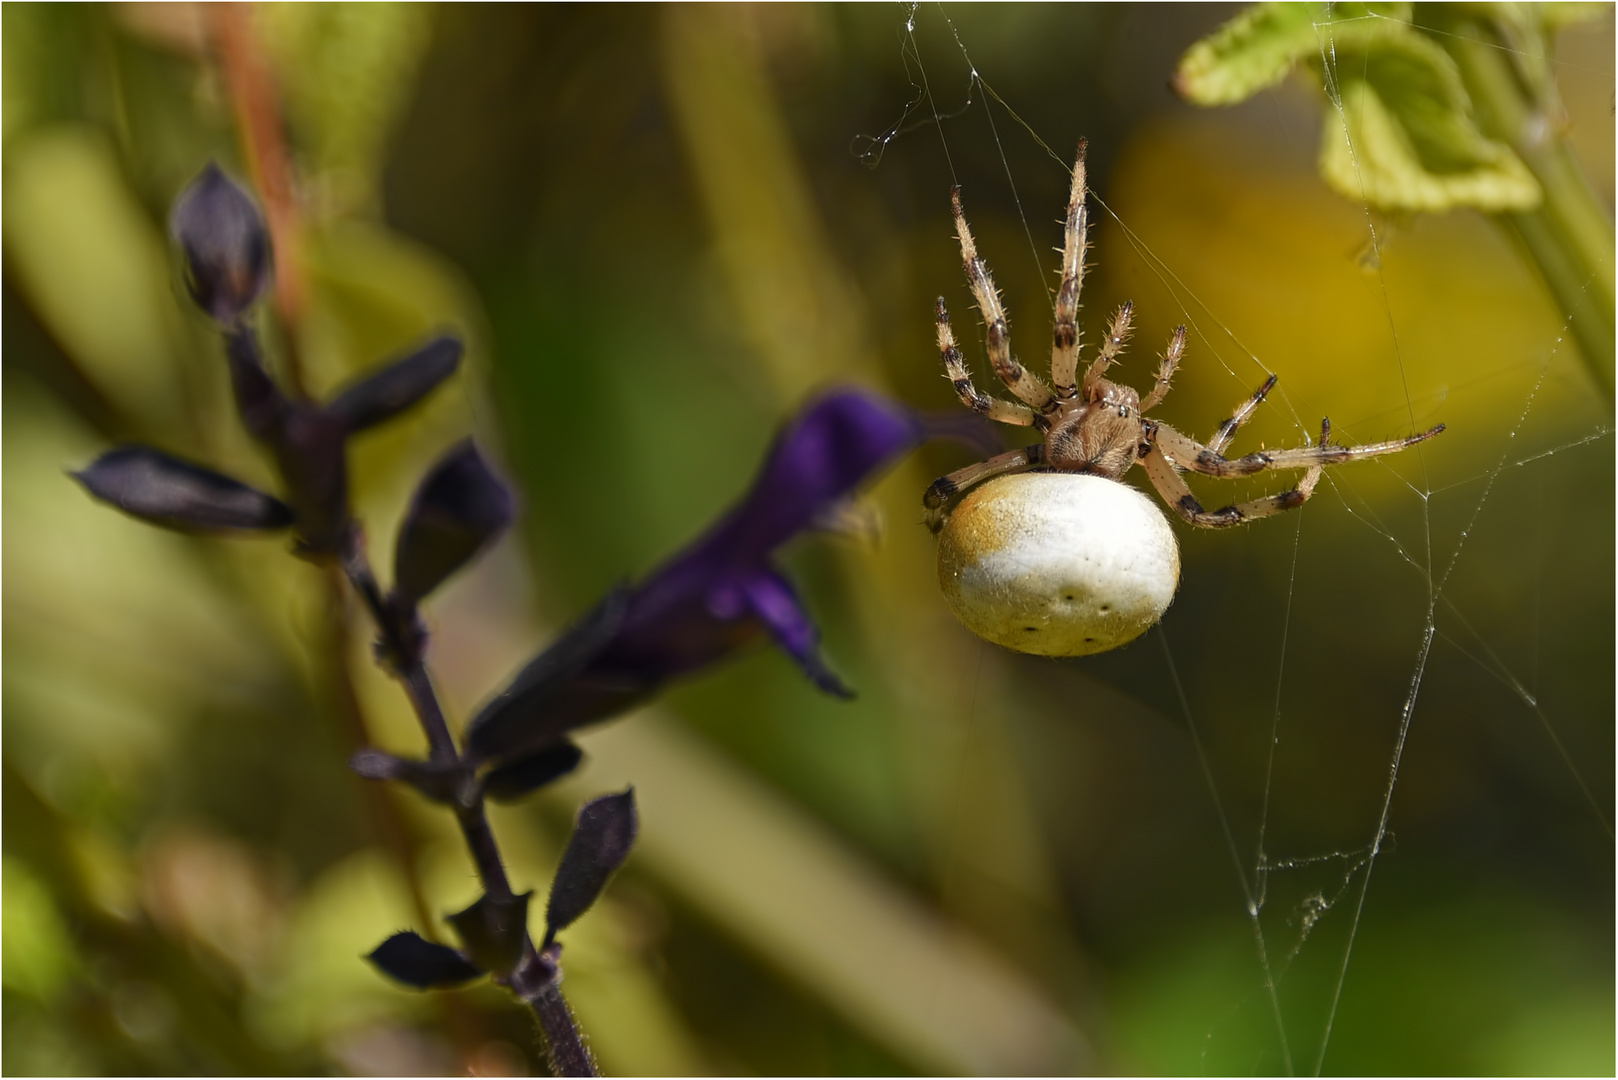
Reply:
x=1569, y=236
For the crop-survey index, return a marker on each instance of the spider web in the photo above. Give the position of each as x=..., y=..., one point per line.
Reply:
x=1338, y=879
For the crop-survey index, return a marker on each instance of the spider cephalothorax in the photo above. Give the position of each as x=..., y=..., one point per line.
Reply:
x=1095, y=426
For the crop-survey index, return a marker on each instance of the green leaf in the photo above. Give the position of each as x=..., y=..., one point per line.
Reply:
x=1257, y=48
x=1251, y=52
x=1554, y=16
x=1399, y=132
x=1367, y=154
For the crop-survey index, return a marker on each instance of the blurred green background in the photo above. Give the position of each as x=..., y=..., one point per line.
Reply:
x=656, y=230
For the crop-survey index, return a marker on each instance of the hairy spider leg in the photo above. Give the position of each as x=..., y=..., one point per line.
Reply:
x=1187, y=453
x=1172, y=487
x=1117, y=336
x=1165, y=372
x=1075, y=236
x=946, y=487
x=1018, y=379
x=1007, y=412
x=1243, y=413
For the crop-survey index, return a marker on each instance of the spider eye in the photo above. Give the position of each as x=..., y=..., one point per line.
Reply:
x=1123, y=410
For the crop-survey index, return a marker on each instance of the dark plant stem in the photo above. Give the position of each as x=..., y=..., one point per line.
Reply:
x=568, y=1054
x=253, y=98
x=378, y=799
x=294, y=432
x=1569, y=236
x=537, y=977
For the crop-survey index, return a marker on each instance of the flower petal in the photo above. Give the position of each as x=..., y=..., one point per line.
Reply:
x=828, y=450
x=770, y=599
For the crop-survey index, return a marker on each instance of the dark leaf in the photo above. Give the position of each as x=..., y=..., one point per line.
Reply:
x=539, y=704
x=526, y=774
x=493, y=931
x=389, y=391
x=413, y=960
x=600, y=844
x=460, y=507
x=436, y=782
x=226, y=244
x=152, y=486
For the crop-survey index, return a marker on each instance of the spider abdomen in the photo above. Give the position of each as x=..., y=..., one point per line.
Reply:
x=1057, y=564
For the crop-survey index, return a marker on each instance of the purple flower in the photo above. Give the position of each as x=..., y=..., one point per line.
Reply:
x=720, y=593
x=725, y=587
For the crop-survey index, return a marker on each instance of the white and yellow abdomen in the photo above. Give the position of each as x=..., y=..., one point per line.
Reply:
x=1057, y=564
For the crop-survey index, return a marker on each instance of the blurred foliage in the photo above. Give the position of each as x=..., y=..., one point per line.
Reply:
x=651, y=227
x=1431, y=108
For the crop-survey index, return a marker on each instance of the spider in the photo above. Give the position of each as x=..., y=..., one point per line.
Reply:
x=1098, y=427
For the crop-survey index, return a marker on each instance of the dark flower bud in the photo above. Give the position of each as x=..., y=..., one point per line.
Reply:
x=413, y=960
x=154, y=487
x=548, y=695
x=509, y=783
x=383, y=394
x=600, y=844
x=226, y=244
x=460, y=507
x=494, y=931
x=309, y=449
